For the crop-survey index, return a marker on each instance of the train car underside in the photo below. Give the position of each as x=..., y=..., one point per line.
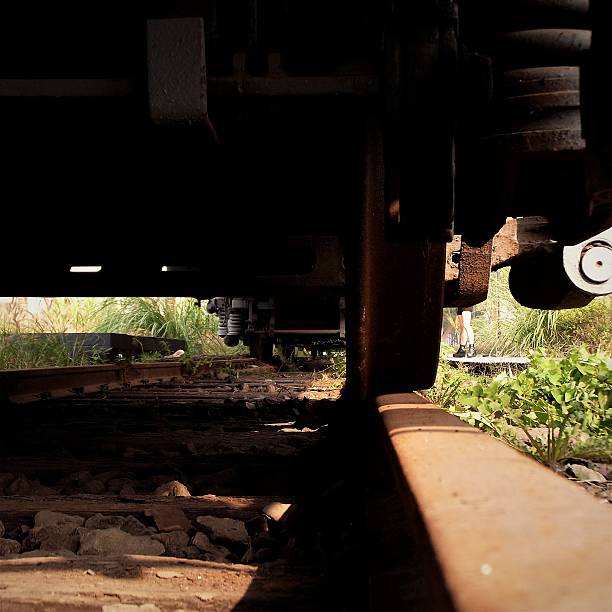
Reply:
x=311, y=160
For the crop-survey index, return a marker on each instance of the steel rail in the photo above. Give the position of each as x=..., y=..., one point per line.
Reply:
x=503, y=532
x=43, y=383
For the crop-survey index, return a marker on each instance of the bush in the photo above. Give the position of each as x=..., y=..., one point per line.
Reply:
x=569, y=399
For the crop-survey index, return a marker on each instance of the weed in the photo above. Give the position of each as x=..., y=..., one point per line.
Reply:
x=568, y=399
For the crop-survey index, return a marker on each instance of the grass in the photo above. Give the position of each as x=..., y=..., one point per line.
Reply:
x=23, y=346
x=165, y=318
x=503, y=327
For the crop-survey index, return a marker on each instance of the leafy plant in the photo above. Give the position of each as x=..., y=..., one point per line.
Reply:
x=566, y=398
x=450, y=381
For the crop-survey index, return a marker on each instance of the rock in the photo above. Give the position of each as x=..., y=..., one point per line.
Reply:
x=9, y=547
x=104, y=477
x=222, y=375
x=54, y=531
x=5, y=479
x=20, y=486
x=191, y=552
x=586, y=474
x=134, y=527
x=114, y=485
x=264, y=554
x=51, y=538
x=205, y=596
x=225, y=531
x=212, y=552
x=47, y=518
x=117, y=542
x=100, y=521
x=2, y=530
x=39, y=490
x=17, y=533
x=168, y=574
x=250, y=406
x=173, y=488
x=127, y=491
x=169, y=519
x=94, y=487
x=174, y=542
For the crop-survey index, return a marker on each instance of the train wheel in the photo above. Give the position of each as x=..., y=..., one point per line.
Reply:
x=395, y=296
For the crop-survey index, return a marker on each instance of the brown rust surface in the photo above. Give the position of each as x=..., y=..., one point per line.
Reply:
x=508, y=533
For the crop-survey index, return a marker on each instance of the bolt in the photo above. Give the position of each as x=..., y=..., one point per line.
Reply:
x=596, y=264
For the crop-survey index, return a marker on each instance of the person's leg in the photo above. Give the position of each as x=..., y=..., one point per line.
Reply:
x=462, y=336
x=469, y=332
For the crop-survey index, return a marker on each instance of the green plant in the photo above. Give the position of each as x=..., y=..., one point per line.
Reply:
x=503, y=327
x=166, y=318
x=35, y=340
x=450, y=381
x=38, y=350
x=337, y=369
x=565, y=398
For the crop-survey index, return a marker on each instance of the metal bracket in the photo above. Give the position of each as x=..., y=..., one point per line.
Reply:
x=472, y=284
x=177, y=71
x=589, y=264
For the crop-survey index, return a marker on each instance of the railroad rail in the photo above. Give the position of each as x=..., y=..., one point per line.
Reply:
x=429, y=514
x=43, y=383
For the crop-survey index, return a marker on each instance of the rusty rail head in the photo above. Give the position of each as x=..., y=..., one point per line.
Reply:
x=505, y=532
x=42, y=383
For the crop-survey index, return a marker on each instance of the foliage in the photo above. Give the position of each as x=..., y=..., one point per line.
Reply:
x=450, y=381
x=338, y=365
x=25, y=343
x=567, y=399
x=32, y=341
x=19, y=351
x=503, y=327
x=165, y=318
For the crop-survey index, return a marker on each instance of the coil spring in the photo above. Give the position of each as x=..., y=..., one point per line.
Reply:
x=222, y=324
x=537, y=52
x=222, y=314
x=236, y=322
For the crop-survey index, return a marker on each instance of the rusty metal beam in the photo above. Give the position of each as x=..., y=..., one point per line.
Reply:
x=505, y=533
x=516, y=238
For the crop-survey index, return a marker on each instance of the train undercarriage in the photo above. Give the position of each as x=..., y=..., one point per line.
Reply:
x=311, y=160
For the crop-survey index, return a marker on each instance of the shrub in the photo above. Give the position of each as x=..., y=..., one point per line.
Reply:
x=569, y=398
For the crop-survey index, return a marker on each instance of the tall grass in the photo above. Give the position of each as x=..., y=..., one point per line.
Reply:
x=503, y=327
x=24, y=339
x=165, y=318
x=23, y=343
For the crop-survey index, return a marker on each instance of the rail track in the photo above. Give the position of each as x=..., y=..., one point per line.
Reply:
x=324, y=503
